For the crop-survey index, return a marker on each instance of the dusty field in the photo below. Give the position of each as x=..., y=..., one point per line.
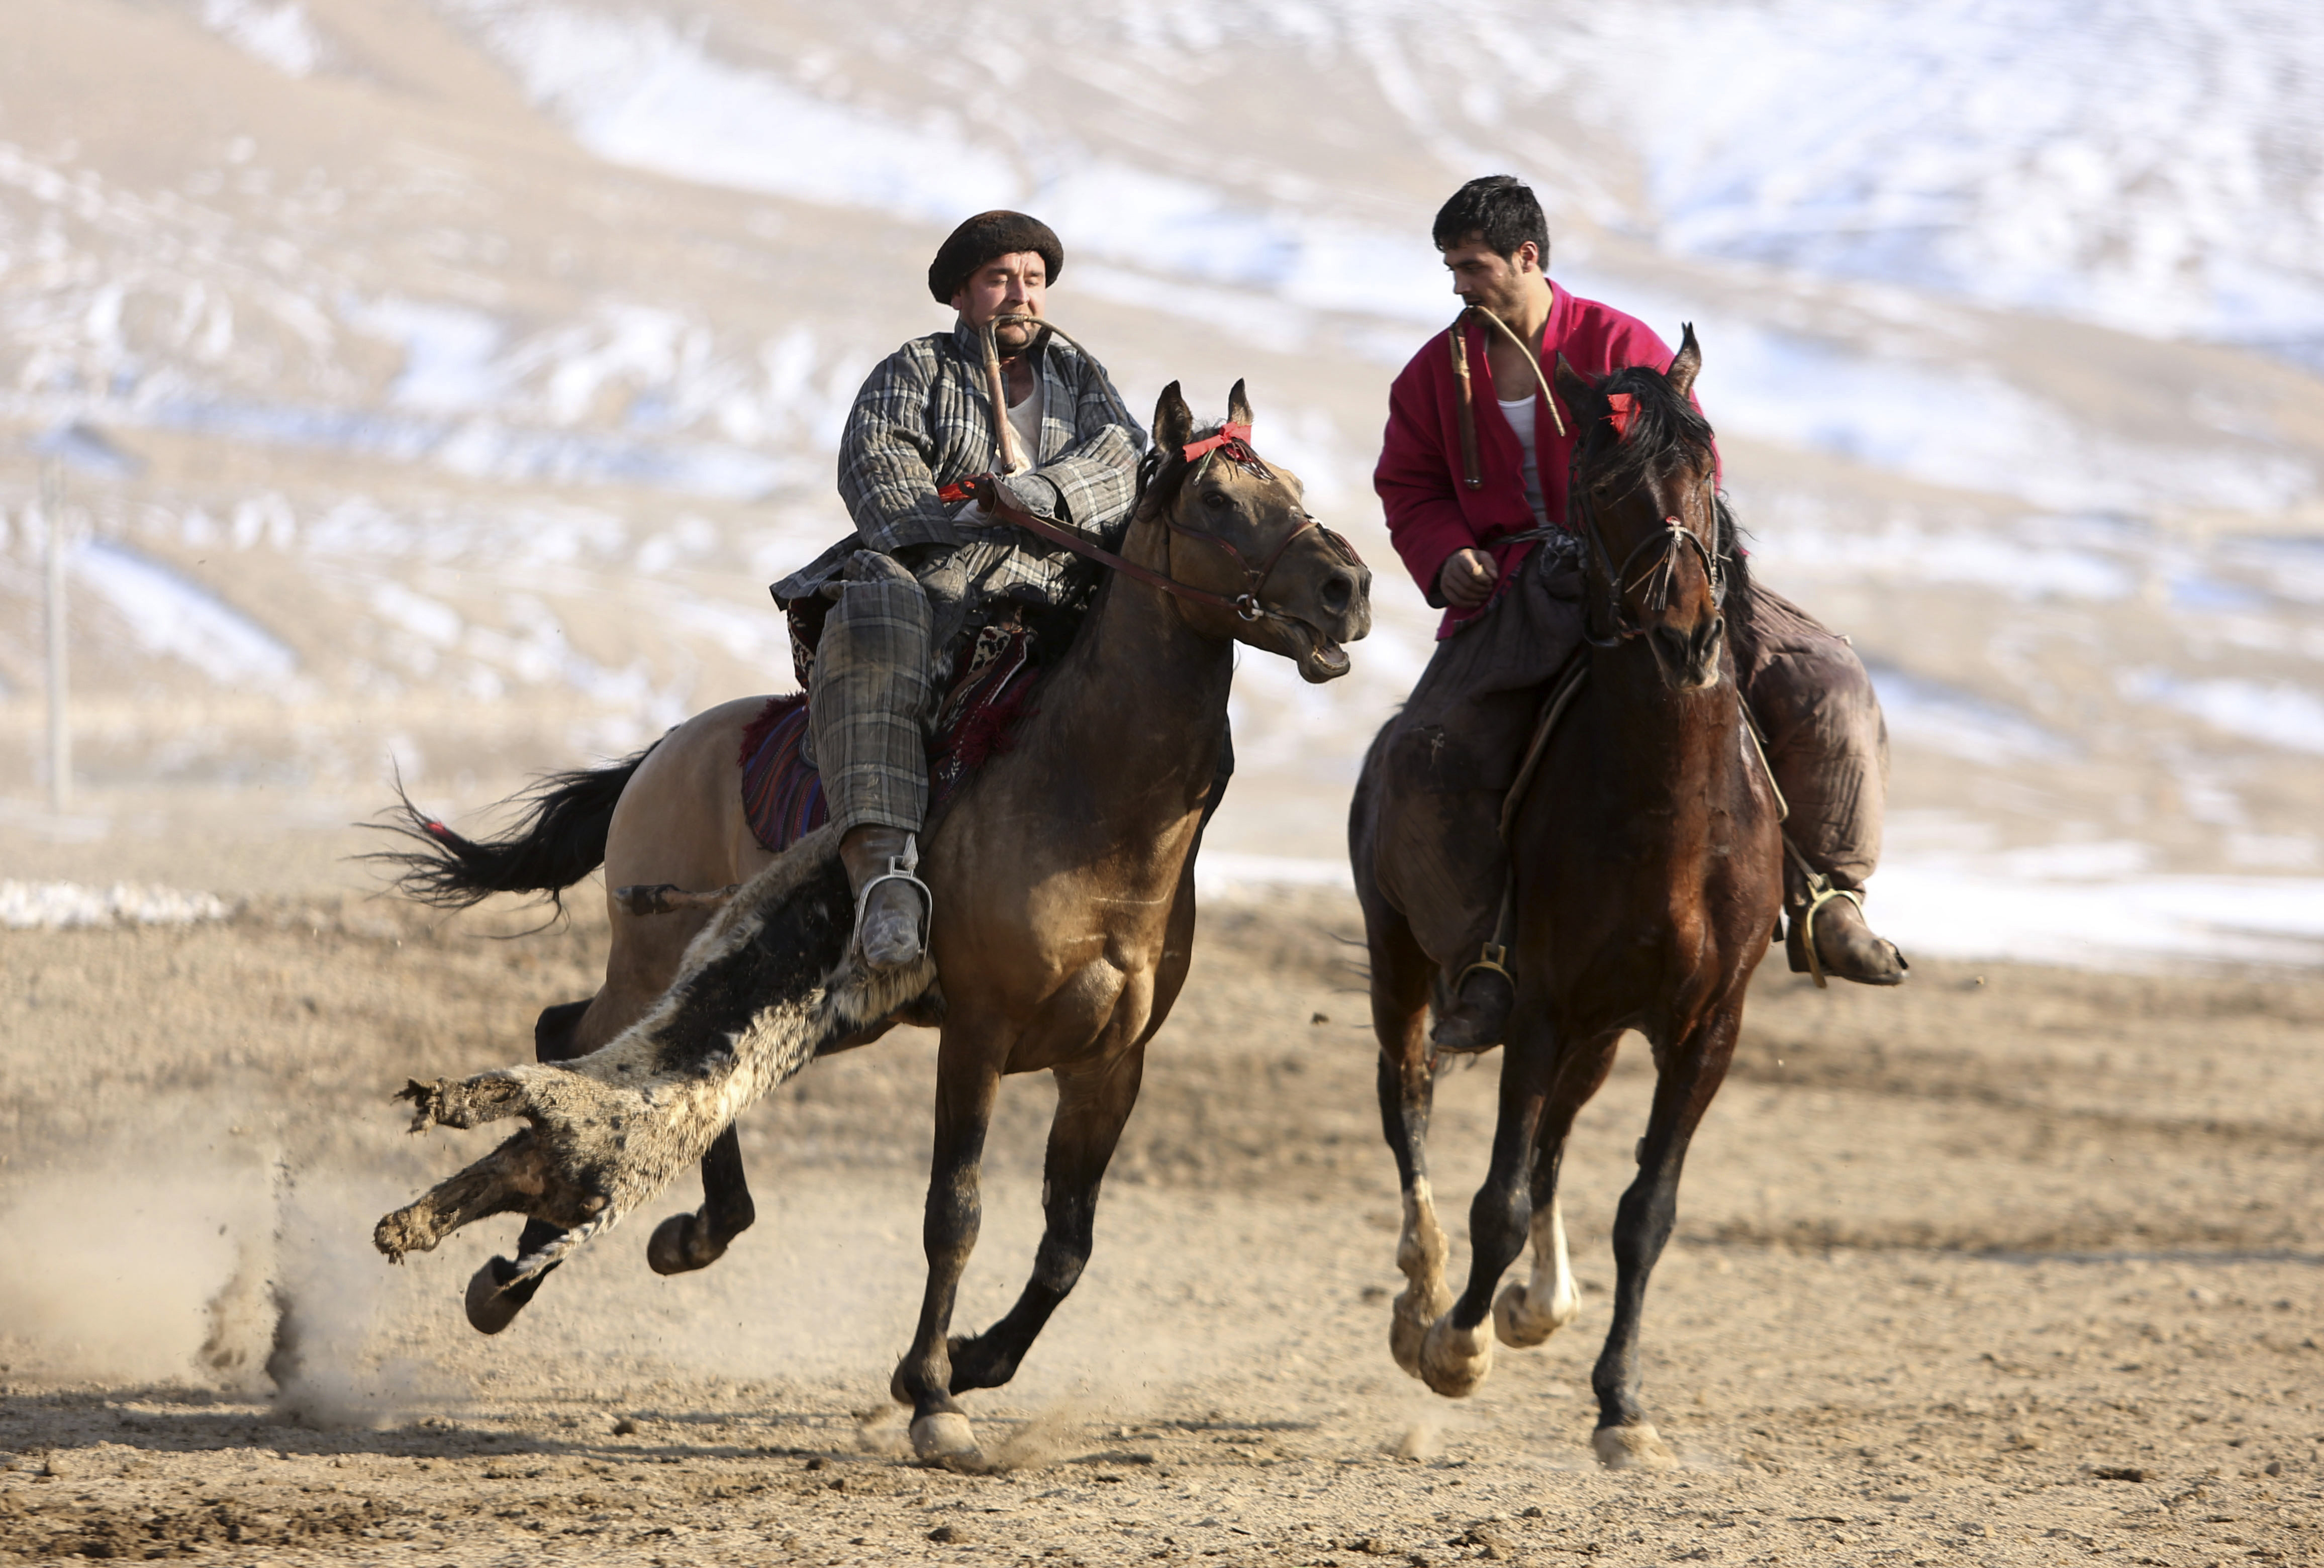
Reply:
x=2018, y=1265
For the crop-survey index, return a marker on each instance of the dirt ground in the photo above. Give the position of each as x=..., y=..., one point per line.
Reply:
x=2017, y=1266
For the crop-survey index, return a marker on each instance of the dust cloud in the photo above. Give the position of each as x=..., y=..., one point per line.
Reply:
x=186, y=1260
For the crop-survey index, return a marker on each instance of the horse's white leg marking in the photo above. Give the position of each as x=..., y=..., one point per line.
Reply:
x=1420, y=1253
x=1639, y=1447
x=1528, y=1313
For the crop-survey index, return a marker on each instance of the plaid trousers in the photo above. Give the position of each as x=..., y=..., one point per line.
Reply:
x=873, y=698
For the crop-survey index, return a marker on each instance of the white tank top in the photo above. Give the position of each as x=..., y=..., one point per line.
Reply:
x=1520, y=416
x=1025, y=419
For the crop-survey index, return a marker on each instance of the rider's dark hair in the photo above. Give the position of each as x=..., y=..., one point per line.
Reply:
x=1501, y=210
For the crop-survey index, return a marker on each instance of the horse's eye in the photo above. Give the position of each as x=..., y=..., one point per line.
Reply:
x=1218, y=501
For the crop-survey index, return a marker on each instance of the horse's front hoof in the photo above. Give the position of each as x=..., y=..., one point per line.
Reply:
x=1637, y=1447
x=944, y=1437
x=1414, y=1310
x=491, y=1305
x=1454, y=1360
x=680, y=1245
x=1518, y=1325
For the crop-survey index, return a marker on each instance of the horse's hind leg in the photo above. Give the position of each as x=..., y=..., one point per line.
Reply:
x=492, y=1301
x=1527, y=1312
x=1690, y=1075
x=1093, y=1100
x=1457, y=1352
x=684, y=1242
x=1400, y=978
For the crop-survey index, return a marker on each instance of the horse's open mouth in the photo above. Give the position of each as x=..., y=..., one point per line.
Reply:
x=1321, y=659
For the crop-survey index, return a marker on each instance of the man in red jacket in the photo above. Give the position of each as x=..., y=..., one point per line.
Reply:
x=1456, y=503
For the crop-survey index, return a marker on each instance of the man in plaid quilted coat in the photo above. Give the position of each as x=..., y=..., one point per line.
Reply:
x=924, y=569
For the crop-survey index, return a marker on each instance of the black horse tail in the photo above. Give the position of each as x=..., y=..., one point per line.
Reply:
x=559, y=839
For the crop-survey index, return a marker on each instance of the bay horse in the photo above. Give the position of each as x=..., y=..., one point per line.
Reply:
x=1648, y=877
x=1062, y=874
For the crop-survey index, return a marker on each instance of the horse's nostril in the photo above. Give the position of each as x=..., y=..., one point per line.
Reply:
x=1338, y=594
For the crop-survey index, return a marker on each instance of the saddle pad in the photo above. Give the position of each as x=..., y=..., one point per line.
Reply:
x=782, y=796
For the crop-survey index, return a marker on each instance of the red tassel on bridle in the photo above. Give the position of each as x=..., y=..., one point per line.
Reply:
x=1624, y=410
x=1233, y=438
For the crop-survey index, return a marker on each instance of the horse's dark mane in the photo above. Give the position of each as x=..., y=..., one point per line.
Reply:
x=1665, y=431
x=1742, y=626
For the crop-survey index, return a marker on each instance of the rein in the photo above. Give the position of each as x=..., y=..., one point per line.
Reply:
x=989, y=498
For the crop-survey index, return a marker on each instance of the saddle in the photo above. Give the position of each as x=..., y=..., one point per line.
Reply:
x=999, y=674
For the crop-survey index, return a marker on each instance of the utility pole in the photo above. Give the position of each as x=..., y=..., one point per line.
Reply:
x=53, y=511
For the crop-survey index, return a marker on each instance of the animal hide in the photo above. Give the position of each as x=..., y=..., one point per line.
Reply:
x=763, y=988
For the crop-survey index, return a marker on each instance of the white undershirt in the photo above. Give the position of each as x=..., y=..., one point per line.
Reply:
x=1025, y=419
x=1520, y=416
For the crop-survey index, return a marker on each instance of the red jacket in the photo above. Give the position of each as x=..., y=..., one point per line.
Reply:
x=1430, y=514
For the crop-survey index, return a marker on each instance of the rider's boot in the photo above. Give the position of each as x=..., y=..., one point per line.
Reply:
x=891, y=904
x=1845, y=945
x=1480, y=1013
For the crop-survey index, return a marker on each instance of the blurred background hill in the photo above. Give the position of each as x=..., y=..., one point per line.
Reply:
x=475, y=363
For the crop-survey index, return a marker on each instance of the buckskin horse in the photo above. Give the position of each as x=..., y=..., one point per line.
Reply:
x=1064, y=918
x=1643, y=831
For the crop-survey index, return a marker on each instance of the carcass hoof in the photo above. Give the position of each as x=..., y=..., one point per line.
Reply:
x=681, y=1244
x=491, y=1305
x=946, y=1438
x=1454, y=1360
x=1518, y=1326
x=1408, y=1325
x=1639, y=1447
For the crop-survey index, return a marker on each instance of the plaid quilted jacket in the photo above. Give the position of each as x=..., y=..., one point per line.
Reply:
x=923, y=421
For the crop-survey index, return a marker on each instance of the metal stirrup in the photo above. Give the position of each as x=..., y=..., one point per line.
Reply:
x=899, y=869
x=1820, y=892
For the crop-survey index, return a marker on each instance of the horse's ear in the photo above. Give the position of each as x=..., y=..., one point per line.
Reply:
x=1173, y=422
x=1686, y=363
x=1237, y=406
x=1580, y=394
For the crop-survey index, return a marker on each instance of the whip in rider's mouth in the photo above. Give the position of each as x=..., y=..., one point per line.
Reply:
x=1473, y=475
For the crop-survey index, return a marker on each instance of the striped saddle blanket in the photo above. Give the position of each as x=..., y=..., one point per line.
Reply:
x=783, y=795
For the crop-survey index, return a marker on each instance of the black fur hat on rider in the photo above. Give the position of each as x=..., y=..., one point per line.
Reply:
x=984, y=237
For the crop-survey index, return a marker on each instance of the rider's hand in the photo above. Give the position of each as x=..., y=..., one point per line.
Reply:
x=1466, y=579
x=1035, y=493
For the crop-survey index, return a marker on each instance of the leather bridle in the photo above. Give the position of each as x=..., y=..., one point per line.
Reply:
x=1247, y=605
x=1669, y=546
x=1232, y=441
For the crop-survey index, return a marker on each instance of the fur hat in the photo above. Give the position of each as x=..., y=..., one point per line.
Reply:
x=985, y=236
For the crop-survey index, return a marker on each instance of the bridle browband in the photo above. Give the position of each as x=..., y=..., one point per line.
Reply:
x=1232, y=440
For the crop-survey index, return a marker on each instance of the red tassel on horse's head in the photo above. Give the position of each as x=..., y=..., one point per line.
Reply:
x=1624, y=410
x=1231, y=434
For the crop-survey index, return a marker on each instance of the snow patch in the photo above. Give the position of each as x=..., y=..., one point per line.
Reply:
x=166, y=613
x=2274, y=713
x=54, y=906
x=281, y=36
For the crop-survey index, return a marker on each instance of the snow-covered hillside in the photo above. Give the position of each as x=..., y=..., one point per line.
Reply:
x=486, y=357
